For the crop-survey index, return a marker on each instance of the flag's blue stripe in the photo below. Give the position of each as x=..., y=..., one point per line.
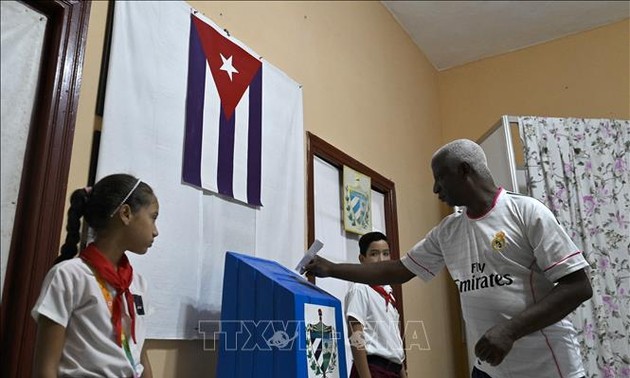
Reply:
x=191, y=171
x=225, y=163
x=254, y=141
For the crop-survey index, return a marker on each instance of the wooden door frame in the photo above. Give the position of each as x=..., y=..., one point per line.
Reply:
x=42, y=195
x=317, y=147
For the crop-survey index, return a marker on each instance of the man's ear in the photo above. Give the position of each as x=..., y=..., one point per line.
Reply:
x=465, y=169
x=361, y=258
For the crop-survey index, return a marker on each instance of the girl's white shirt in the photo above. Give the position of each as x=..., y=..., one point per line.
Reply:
x=72, y=297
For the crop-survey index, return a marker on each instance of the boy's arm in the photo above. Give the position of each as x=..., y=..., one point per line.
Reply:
x=357, y=345
x=403, y=372
x=48, y=347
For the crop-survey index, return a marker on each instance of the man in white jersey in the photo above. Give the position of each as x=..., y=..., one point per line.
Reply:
x=518, y=273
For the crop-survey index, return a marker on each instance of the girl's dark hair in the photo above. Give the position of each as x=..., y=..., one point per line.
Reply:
x=98, y=204
x=369, y=238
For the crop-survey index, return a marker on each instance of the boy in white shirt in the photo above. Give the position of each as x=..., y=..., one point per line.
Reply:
x=377, y=347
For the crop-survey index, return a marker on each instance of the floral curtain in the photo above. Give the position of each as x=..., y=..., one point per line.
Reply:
x=580, y=168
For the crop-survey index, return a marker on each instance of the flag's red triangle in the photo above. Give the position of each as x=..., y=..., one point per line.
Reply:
x=220, y=52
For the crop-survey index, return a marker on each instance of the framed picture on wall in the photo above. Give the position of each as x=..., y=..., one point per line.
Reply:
x=357, y=210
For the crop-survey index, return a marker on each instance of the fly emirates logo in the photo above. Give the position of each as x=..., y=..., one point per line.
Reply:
x=480, y=280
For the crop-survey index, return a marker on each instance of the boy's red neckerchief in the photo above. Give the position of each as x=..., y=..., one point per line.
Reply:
x=389, y=297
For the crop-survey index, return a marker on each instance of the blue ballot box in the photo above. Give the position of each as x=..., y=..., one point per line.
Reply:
x=276, y=324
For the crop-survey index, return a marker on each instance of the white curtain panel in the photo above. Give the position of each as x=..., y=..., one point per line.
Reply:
x=23, y=31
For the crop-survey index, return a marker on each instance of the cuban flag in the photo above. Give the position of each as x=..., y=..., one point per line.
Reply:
x=223, y=132
x=178, y=89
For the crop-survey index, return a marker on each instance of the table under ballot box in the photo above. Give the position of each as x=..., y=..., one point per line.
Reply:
x=276, y=324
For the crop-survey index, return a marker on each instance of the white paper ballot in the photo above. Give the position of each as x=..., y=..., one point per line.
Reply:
x=308, y=256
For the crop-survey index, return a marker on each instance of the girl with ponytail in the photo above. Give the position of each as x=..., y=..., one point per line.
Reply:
x=91, y=309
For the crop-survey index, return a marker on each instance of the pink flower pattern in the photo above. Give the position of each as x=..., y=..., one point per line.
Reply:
x=585, y=164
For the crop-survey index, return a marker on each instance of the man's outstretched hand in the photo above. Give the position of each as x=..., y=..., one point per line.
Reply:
x=319, y=267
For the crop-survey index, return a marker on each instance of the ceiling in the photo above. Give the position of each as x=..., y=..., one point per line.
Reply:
x=452, y=33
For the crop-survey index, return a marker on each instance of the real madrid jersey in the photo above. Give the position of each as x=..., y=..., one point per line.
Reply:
x=502, y=263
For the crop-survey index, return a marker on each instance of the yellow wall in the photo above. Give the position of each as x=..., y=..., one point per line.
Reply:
x=585, y=75
x=361, y=76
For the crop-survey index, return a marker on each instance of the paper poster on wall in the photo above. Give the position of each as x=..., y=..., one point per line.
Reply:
x=321, y=341
x=357, y=211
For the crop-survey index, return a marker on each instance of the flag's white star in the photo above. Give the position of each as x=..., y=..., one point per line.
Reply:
x=227, y=66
